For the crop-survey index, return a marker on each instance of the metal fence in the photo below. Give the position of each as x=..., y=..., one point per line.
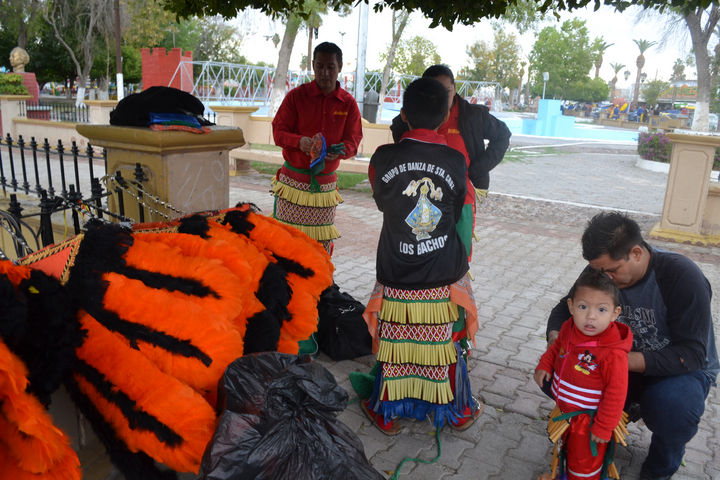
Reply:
x=40, y=180
x=57, y=112
x=252, y=85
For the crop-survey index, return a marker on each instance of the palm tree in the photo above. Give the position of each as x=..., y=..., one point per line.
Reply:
x=643, y=45
x=616, y=67
x=598, y=48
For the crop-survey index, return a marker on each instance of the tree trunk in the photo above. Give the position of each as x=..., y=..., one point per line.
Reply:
x=401, y=20
x=700, y=38
x=309, y=50
x=278, y=91
x=640, y=63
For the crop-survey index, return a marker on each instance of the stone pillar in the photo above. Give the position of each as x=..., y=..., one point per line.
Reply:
x=187, y=170
x=99, y=111
x=236, y=116
x=9, y=110
x=685, y=215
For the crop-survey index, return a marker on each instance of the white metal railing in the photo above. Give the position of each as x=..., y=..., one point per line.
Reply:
x=252, y=85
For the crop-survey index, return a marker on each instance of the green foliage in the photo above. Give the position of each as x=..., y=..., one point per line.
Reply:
x=498, y=62
x=565, y=54
x=587, y=90
x=148, y=23
x=48, y=58
x=441, y=12
x=132, y=64
x=11, y=84
x=413, y=56
x=652, y=89
x=678, y=71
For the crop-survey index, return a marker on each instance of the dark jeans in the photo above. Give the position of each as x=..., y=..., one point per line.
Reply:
x=671, y=408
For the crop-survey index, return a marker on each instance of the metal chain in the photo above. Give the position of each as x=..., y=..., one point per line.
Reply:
x=157, y=200
x=112, y=182
x=4, y=221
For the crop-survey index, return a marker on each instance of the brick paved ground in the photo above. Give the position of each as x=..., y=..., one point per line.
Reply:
x=526, y=258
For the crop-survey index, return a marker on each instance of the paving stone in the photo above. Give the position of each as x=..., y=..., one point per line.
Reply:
x=525, y=262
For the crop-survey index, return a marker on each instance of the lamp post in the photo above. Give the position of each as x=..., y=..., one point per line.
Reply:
x=546, y=77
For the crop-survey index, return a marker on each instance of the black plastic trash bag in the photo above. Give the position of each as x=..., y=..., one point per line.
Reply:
x=342, y=331
x=279, y=423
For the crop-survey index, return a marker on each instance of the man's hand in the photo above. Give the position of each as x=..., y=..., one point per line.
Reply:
x=304, y=144
x=331, y=156
x=541, y=376
x=552, y=336
x=597, y=439
x=636, y=362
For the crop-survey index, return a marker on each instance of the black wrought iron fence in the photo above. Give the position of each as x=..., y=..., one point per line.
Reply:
x=40, y=180
x=56, y=112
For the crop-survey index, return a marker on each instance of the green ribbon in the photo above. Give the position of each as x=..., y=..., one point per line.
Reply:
x=315, y=172
x=569, y=415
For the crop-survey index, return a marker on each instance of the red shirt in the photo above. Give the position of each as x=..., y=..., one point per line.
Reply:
x=451, y=132
x=590, y=373
x=306, y=111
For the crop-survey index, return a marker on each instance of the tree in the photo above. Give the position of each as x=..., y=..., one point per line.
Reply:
x=565, y=54
x=441, y=12
x=616, y=68
x=75, y=24
x=701, y=23
x=20, y=19
x=148, y=24
x=413, y=56
x=652, y=90
x=643, y=45
x=399, y=22
x=678, y=72
x=313, y=23
x=587, y=90
x=496, y=62
x=598, y=47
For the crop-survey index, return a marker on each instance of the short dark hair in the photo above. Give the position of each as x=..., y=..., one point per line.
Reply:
x=425, y=103
x=328, y=47
x=439, y=70
x=596, y=280
x=611, y=233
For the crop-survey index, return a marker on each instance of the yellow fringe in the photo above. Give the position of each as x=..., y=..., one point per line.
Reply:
x=419, y=354
x=418, y=312
x=321, y=233
x=433, y=392
x=308, y=199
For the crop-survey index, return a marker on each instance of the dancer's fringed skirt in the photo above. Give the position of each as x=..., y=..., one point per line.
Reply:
x=297, y=205
x=422, y=371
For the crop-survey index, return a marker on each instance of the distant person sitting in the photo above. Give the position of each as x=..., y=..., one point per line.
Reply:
x=616, y=113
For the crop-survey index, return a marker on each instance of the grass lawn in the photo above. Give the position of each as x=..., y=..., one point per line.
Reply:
x=344, y=181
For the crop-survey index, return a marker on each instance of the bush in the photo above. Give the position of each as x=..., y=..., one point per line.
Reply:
x=657, y=147
x=11, y=84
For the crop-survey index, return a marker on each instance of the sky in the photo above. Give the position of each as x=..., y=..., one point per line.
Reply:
x=614, y=27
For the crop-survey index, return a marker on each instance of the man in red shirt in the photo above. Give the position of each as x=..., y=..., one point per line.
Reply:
x=303, y=199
